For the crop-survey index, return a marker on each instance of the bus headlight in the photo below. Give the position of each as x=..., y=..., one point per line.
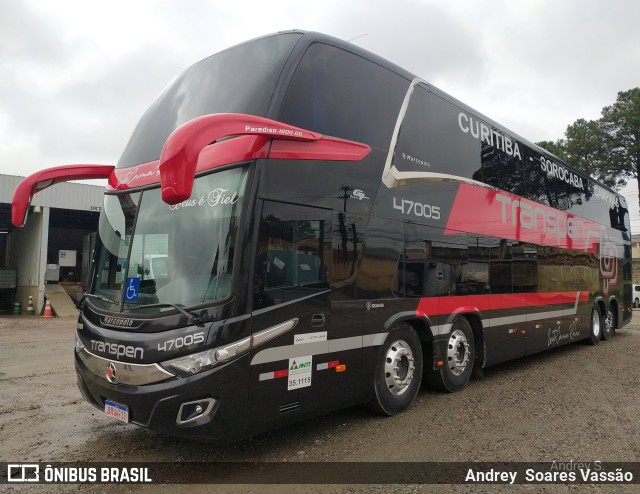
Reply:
x=188, y=365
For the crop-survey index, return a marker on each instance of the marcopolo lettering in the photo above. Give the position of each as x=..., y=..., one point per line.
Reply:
x=117, y=321
x=471, y=125
x=118, y=350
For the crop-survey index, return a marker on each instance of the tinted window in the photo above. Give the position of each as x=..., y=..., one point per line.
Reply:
x=240, y=79
x=501, y=267
x=430, y=139
x=337, y=93
x=501, y=170
x=293, y=253
x=433, y=264
x=475, y=276
x=525, y=267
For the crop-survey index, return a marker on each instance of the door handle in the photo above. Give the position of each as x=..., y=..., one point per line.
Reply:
x=318, y=320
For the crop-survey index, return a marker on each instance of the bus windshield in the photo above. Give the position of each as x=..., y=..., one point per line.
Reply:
x=148, y=252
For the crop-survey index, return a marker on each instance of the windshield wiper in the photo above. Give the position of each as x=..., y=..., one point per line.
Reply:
x=191, y=317
x=99, y=297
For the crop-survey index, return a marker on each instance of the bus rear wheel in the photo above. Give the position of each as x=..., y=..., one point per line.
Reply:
x=398, y=371
x=597, y=323
x=608, y=326
x=454, y=374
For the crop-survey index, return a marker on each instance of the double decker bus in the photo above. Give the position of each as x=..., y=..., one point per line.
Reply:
x=298, y=225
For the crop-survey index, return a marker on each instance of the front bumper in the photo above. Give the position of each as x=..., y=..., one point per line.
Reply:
x=158, y=406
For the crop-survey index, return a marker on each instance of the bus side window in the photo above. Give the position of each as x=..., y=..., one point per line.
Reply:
x=475, y=275
x=501, y=267
x=525, y=268
x=502, y=171
x=291, y=253
x=432, y=264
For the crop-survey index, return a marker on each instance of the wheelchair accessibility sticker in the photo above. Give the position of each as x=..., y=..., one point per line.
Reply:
x=132, y=289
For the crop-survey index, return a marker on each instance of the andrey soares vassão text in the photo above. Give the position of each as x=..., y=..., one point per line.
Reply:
x=557, y=472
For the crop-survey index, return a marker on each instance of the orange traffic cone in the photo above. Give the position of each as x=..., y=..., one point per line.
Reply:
x=47, y=310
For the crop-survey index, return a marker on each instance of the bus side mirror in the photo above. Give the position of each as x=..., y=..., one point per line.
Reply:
x=180, y=152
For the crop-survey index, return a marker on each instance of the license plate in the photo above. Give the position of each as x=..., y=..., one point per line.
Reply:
x=117, y=411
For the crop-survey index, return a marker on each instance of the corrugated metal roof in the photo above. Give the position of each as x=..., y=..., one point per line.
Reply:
x=68, y=195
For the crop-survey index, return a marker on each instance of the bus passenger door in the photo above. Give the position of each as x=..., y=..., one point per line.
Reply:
x=291, y=319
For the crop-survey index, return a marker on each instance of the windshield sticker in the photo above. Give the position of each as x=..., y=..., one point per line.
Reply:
x=217, y=197
x=299, y=372
x=132, y=290
x=278, y=263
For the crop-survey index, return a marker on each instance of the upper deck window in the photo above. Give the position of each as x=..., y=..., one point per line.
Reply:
x=340, y=94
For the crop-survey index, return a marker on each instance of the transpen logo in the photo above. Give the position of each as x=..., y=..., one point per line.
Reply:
x=608, y=263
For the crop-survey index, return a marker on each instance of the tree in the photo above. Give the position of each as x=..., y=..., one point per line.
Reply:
x=607, y=148
x=558, y=148
x=620, y=124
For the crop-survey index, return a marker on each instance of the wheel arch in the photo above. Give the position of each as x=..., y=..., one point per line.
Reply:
x=421, y=323
x=474, y=317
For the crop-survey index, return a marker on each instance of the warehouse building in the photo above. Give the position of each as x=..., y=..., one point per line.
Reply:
x=48, y=250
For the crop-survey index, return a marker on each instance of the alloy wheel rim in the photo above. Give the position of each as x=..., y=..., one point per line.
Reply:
x=399, y=367
x=457, y=352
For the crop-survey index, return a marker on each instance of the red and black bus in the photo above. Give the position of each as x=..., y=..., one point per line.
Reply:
x=297, y=225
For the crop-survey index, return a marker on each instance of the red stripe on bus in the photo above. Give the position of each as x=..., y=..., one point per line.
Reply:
x=504, y=215
x=280, y=373
x=432, y=306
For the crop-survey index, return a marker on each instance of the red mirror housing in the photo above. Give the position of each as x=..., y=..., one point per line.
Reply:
x=45, y=178
x=179, y=156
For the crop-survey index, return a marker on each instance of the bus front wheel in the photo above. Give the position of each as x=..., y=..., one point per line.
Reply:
x=457, y=367
x=398, y=371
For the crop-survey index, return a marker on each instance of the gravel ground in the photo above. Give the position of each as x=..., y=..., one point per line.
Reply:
x=574, y=403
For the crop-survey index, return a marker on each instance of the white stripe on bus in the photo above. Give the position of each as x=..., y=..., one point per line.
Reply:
x=376, y=339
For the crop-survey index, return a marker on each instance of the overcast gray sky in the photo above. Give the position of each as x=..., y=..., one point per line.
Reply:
x=75, y=76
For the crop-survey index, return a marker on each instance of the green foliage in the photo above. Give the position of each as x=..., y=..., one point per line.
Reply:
x=607, y=148
x=558, y=148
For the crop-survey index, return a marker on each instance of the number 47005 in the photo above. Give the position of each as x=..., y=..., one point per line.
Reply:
x=417, y=208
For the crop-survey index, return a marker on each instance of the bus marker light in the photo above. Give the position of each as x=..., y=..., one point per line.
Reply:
x=523, y=332
x=341, y=368
x=439, y=363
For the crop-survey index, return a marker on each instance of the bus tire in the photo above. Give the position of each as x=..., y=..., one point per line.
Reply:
x=458, y=366
x=597, y=323
x=398, y=371
x=608, y=326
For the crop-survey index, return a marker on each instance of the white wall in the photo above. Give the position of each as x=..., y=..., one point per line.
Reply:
x=28, y=254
